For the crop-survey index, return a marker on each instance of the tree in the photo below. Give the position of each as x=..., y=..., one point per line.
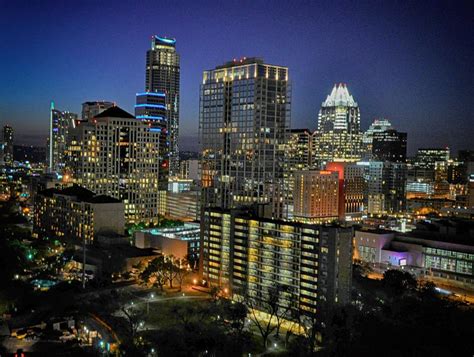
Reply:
x=171, y=269
x=275, y=312
x=156, y=272
x=134, y=317
x=398, y=282
x=182, y=271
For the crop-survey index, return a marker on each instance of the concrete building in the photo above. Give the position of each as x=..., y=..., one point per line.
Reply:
x=248, y=254
x=162, y=76
x=316, y=196
x=76, y=214
x=184, y=206
x=181, y=242
x=189, y=169
x=352, y=190
x=244, y=118
x=442, y=249
x=117, y=155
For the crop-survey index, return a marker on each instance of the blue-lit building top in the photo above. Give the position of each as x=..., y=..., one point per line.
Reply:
x=150, y=108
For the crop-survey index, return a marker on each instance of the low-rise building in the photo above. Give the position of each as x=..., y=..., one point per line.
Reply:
x=181, y=242
x=441, y=249
x=77, y=214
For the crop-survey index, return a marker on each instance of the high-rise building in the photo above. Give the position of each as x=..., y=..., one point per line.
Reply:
x=151, y=109
x=243, y=122
x=378, y=126
x=352, y=189
x=298, y=156
x=338, y=135
x=310, y=264
x=389, y=145
x=91, y=109
x=117, y=155
x=316, y=196
x=60, y=124
x=7, y=138
x=162, y=76
x=429, y=165
x=386, y=185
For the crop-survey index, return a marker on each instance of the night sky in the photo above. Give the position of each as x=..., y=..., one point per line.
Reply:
x=408, y=61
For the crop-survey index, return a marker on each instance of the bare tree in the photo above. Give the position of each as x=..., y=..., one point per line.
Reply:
x=182, y=271
x=133, y=317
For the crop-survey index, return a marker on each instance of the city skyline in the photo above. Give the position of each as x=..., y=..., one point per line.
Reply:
x=406, y=63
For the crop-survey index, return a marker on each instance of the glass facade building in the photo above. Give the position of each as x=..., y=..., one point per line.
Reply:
x=162, y=75
x=60, y=124
x=243, y=121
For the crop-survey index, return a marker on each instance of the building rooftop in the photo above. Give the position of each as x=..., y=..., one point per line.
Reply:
x=240, y=62
x=340, y=96
x=115, y=112
x=80, y=193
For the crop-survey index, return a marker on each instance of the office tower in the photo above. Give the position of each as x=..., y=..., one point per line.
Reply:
x=377, y=126
x=386, y=182
x=316, y=196
x=91, y=109
x=8, y=144
x=162, y=75
x=338, y=134
x=76, y=214
x=389, y=145
x=429, y=164
x=243, y=121
x=298, y=156
x=247, y=254
x=150, y=108
x=60, y=124
x=117, y=155
x=352, y=189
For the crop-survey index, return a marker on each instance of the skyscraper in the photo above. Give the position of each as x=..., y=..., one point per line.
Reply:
x=116, y=155
x=60, y=124
x=338, y=134
x=8, y=144
x=389, y=145
x=151, y=109
x=243, y=121
x=386, y=184
x=91, y=109
x=162, y=75
x=377, y=126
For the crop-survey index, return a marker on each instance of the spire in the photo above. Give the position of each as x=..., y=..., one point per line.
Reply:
x=340, y=96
